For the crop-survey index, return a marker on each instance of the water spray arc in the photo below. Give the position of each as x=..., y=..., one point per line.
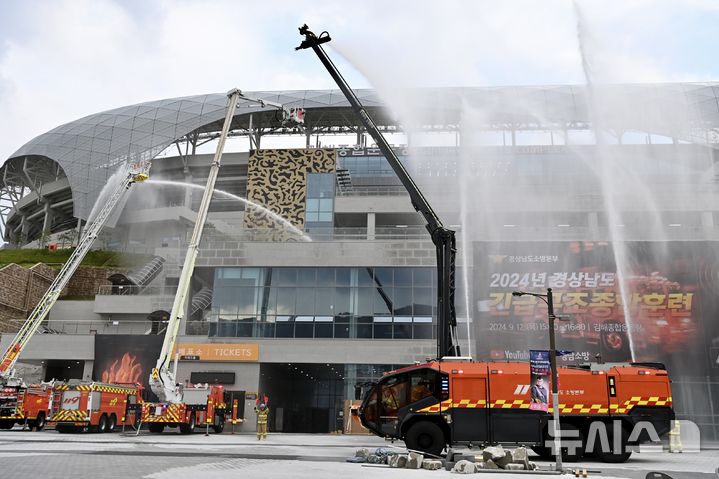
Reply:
x=284, y=222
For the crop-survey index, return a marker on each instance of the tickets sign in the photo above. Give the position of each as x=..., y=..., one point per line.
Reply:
x=217, y=352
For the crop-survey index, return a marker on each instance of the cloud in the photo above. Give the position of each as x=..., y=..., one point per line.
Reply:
x=65, y=59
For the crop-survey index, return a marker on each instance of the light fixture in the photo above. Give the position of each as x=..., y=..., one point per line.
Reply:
x=674, y=225
x=563, y=225
x=509, y=226
x=400, y=226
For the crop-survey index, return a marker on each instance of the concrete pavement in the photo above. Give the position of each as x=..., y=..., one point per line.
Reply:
x=171, y=455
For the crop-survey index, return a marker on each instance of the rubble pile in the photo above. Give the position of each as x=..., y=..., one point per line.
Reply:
x=495, y=457
x=492, y=457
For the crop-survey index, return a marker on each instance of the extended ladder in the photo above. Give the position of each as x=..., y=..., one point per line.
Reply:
x=134, y=172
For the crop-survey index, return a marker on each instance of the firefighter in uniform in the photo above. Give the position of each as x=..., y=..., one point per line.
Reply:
x=262, y=413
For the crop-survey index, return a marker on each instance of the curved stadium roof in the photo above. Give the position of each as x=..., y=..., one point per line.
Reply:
x=89, y=149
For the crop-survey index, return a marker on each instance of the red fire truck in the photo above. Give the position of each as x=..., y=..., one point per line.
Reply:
x=202, y=405
x=442, y=403
x=94, y=406
x=29, y=405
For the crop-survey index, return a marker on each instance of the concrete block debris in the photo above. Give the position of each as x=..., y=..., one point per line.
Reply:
x=464, y=467
x=397, y=460
x=414, y=461
x=432, y=464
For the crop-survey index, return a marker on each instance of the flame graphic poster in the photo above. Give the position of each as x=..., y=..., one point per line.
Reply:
x=124, y=358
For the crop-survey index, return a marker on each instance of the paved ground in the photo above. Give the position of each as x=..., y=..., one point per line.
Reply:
x=173, y=456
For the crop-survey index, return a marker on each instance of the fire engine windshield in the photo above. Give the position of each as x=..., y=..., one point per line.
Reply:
x=394, y=393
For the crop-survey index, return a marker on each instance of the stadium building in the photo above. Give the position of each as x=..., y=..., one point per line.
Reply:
x=606, y=195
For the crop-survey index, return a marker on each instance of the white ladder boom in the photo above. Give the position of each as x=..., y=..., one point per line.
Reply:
x=162, y=380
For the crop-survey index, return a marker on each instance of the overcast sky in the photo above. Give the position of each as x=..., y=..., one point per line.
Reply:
x=64, y=59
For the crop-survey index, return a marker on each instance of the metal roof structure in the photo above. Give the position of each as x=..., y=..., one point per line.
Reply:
x=86, y=151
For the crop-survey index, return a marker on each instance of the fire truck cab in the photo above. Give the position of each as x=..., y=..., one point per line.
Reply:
x=29, y=405
x=437, y=404
x=202, y=405
x=94, y=406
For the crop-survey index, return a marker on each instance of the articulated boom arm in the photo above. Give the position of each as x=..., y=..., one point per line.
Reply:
x=290, y=116
x=162, y=379
x=135, y=172
x=442, y=237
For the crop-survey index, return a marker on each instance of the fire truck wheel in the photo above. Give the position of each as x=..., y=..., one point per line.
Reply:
x=102, y=425
x=6, y=424
x=576, y=452
x=569, y=454
x=219, y=425
x=615, y=456
x=543, y=452
x=188, y=428
x=156, y=428
x=40, y=421
x=112, y=423
x=425, y=436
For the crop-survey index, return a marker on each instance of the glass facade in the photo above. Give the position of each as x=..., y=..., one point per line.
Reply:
x=356, y=303
x=367, y=166
x=319, y=208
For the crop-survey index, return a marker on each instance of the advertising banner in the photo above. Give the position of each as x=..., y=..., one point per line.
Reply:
x=658, y=305
x=541, y=370
x=121, y=358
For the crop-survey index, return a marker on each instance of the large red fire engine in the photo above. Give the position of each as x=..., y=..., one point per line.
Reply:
x=450, y=402
x=20, y=403
x=29, y=405
x=202, y=405
x=95, y=406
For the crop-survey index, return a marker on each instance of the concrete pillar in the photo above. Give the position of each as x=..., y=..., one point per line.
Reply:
x=370, y=226
x=593, y=221
x=47, y=221
x=187, y=202
x=707, y=220
x=24, y=229
x=87, y=371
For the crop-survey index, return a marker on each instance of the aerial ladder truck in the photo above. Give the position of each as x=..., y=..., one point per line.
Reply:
x=33, y=404
x=454, y=400
x=188, y=406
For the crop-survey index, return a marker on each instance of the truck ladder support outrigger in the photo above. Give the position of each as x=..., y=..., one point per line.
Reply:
x=443, y=238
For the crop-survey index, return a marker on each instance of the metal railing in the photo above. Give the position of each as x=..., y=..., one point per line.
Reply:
x=132, y=290
x=381, y=233
x=91, y=326
x=388, y=190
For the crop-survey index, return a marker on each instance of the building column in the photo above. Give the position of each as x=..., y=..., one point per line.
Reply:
x=187, y=202
x=370, y=226
x=593, y=221
x=707, y=220
x=87, y=371
x=47, y=221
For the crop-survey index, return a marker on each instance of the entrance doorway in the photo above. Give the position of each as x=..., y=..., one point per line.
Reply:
x=304, y=398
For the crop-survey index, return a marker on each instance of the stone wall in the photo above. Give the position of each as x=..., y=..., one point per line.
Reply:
x=22, y=288
x=86, y=281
